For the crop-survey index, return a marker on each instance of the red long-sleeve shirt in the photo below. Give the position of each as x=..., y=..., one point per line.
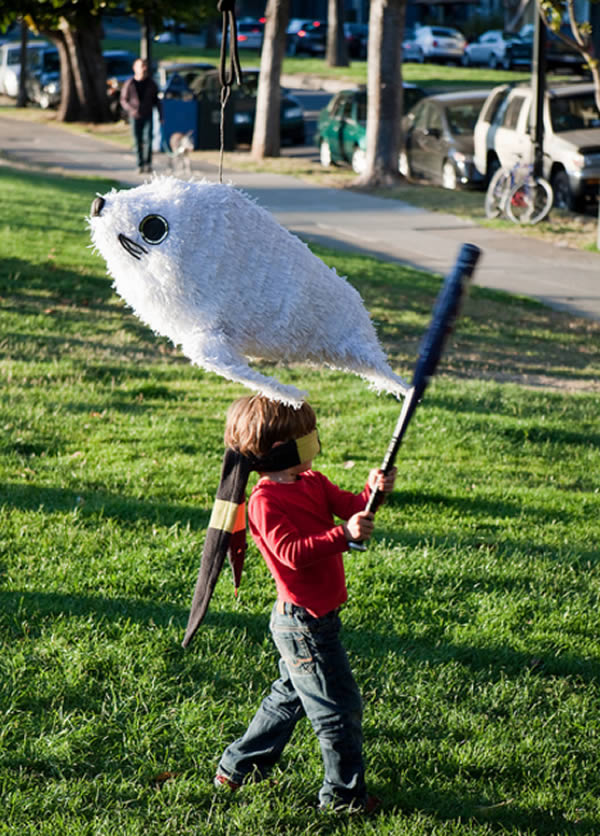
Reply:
x=293, y=526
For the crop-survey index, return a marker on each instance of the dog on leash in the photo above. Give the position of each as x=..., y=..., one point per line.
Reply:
x=180, y=146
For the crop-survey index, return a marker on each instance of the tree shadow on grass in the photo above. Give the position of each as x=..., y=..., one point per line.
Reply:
x=26, y=497
x=503, y=817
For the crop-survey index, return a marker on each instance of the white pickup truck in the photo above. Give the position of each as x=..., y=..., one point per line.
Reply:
x=503, y=136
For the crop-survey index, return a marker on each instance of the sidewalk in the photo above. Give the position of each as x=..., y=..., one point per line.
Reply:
x=563, y=278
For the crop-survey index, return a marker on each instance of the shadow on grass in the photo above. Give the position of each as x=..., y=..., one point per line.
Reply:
x=502, y=817
x=25, y=497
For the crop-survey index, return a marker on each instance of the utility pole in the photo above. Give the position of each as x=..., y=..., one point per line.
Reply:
x=538, y=85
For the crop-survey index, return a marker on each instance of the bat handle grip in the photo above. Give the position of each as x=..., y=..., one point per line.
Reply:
x=373, y=502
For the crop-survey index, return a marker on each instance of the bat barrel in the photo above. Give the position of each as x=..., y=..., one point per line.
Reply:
x=442, y=321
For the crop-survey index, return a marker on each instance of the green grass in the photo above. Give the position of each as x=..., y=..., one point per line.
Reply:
x=472, y=623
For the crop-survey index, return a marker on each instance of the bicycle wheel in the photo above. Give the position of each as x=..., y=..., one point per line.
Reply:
x=496, y=194
x=530, y=201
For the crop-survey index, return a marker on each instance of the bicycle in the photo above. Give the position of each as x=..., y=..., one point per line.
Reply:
x=519, y=195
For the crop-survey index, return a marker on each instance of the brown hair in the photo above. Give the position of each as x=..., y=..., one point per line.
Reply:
x=255, y=423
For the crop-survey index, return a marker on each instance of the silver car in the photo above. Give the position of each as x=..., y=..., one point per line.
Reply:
x=441, y=43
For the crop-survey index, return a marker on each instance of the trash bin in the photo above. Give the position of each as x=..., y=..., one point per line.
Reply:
x=179, y=112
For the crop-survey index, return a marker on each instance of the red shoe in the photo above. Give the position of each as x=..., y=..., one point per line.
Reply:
x=221, y=780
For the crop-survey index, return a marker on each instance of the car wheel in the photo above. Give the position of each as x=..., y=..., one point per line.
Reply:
x=359, y=160
x=449, y=178
x=404, y=164
x=563, y=194
x=325, y=154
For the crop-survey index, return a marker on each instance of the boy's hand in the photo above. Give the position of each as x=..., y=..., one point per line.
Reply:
x=384, y=482
x=360, y=526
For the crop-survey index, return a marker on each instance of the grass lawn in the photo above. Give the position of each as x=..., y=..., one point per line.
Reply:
x=472, y=624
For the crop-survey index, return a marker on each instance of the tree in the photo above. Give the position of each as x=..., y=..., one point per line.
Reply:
x=337, y=49
x=384, y=93
x=582, y=39
x=266, y=140
x=75, y=28
x=22, y=93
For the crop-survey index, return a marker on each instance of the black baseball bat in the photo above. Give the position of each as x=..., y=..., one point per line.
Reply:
x=444, y=315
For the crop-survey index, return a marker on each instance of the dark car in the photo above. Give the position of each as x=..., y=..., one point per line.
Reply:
x=292, y=130
x=342, y=127
x=438, y=139
x=43, y=77
x=306, y=37
x=559, y=54
x=357, y=39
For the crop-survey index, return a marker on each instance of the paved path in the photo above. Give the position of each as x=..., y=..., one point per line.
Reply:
x=564, y=278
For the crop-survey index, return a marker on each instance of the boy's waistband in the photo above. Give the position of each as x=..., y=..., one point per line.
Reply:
x=287, y=608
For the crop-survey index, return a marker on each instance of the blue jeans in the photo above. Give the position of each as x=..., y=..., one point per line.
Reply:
x=315, y=680
x=141, y=132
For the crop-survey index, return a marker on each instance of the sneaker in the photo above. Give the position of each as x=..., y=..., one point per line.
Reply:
x=371, y=806
x=221, y=780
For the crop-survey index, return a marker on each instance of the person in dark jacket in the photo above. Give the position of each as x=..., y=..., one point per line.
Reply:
x=139, y=97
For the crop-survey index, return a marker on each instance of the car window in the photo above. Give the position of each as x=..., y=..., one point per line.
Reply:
x=338, y=108
x=493, y=105
x=574, y=113
x=420, y=118
x=361, y=107
x=462, y=117
x=511, y=116
x=434, y=118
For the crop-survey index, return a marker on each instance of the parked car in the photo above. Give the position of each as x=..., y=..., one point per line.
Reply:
x=308, y=37
x=342, y=126
x=43, y=77
x=493, y=48
x=438, y=139
x=291, y=115
x=179, y=76
x=10, y=64
x=441, y=43
x=250, y=34
x=357, y=39
x=559, y=54
x=205, y=83
x=411, y=48
x=571, y=138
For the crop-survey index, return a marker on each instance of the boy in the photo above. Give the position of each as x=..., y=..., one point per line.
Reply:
x=290, y=514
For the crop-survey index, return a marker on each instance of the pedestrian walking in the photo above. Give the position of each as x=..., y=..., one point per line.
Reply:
x=139, y=97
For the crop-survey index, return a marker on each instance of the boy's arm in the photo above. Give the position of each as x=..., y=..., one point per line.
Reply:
x=345, y=504
x=274, y=528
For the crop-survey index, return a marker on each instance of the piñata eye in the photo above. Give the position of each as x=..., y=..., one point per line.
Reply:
x=154, y=229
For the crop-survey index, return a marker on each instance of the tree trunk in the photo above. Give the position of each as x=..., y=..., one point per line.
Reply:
x=146, y=41
x=384, y=93
x=266, y=140
x=337, y=48
x=83, y=95
x=24, y=69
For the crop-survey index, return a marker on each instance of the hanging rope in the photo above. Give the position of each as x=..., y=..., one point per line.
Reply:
x=227, y=75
